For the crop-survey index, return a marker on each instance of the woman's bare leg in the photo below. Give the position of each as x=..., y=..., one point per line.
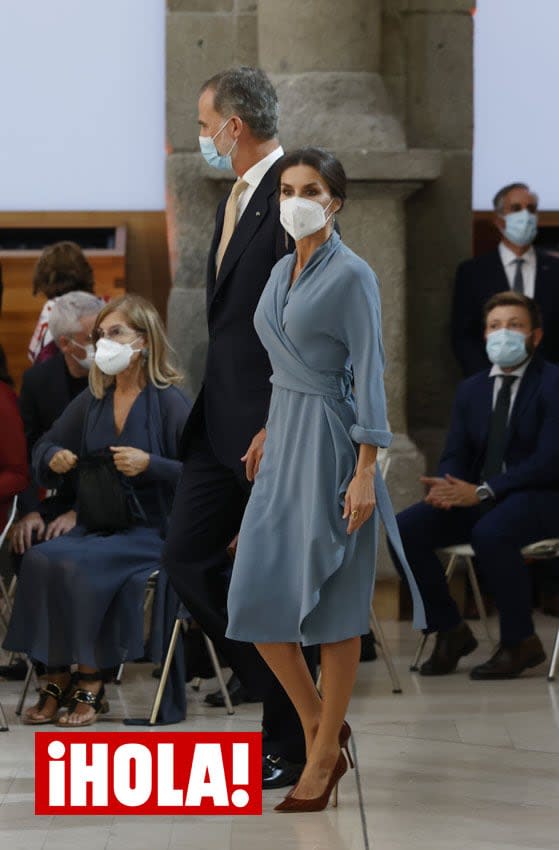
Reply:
x=288, y=664
x=339, y=663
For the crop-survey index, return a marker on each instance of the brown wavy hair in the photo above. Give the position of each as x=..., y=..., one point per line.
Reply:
x=142, y=317
x=62, y=268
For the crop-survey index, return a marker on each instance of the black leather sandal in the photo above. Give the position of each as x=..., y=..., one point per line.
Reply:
x=51, y=689
x=97, y=702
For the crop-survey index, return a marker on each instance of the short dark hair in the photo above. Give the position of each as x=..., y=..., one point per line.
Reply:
x=248, y=93
x=498, y=200
x=515, y=299
x=62, y=268
x=328, y=166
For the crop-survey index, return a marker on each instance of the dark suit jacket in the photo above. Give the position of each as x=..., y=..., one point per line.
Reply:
x=480, y=278
x=45, y=393
x=532, y=453
x=234, y=399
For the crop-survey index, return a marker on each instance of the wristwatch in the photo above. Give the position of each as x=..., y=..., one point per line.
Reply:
x=485, y=493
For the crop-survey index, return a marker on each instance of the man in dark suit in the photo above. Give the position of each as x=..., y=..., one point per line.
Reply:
x=497, y=487
x=516, y=265
x=46, y=391
x=238, y=113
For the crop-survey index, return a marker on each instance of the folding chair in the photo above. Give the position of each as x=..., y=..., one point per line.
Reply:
x=6, y=611
x=181, y=622
x=460, y=552
x=542, y=550
x=7, y=593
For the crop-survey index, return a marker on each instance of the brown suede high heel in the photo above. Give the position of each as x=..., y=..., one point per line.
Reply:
x=316, y=804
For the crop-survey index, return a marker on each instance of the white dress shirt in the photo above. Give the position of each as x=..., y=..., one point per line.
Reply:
x=254, y=176
x=497, y=373
x=528, y=267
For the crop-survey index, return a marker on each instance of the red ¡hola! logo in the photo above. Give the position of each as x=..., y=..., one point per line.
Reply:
x=150, y=773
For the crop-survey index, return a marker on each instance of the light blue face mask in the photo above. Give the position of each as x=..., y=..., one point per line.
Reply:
x=211, y=154
x=521, y=227
x=506, y=348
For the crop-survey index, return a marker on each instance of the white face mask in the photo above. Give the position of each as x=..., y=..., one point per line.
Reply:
x=87, y=361
x=302, y=217
x=114, y=357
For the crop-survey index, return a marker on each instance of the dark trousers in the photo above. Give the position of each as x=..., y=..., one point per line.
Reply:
x=497, y=538
x=207, y=513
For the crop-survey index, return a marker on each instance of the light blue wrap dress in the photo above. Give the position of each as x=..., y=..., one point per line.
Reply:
x=298, y=576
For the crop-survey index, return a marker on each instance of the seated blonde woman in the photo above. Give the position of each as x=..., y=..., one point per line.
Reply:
x=79, y=597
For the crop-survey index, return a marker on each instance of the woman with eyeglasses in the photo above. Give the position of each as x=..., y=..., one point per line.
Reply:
x=79, y=597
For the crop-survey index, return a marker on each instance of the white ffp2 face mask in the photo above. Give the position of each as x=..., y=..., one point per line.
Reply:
x=87, y=361
x=302, y=217
x=114, y=357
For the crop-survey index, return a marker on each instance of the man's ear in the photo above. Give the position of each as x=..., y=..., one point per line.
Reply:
x=538, y=336
x=63, y=342
x=499, y=221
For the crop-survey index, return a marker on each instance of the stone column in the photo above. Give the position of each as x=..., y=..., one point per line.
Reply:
x=325, y=60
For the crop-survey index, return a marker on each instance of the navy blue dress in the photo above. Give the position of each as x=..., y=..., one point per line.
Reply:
x=80, y=596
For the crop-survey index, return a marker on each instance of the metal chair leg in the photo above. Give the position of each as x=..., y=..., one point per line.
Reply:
x=449, y=572
x=480, y=605
x=3, y=721
x=217, y=668
x=554, y=659
x=386, y=654
x=414, y=666
x=118, y=678
x=165, y=672
x=26, y=683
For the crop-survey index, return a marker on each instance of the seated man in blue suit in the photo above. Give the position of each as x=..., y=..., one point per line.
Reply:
x=515, y=265
x=497, y=487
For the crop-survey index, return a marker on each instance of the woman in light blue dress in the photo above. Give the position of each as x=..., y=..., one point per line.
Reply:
x=305, y=561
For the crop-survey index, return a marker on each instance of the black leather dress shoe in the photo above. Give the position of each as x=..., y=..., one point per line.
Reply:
x=449, y=648
x=237, y=692
x=368, y=649
x=15, y=672
x=277, y=772
x=510, y=661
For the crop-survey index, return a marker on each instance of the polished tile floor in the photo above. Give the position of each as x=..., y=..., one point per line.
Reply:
x=449, y=764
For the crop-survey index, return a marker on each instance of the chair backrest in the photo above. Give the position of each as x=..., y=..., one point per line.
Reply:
x=10, y=521
x=383, y=462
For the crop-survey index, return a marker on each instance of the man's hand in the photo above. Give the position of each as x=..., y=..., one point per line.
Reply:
x=22, y=532
x=63, y=461
x=450, y=492
x=254, y=455
x=130, y=461
x=61, y=525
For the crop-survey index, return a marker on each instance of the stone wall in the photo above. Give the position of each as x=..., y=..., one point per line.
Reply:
x=427, y=67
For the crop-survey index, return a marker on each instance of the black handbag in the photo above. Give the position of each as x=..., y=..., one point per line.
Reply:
x=105, y=503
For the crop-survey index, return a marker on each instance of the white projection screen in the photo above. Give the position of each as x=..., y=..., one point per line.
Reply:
x=82, y=123
x=516, y=109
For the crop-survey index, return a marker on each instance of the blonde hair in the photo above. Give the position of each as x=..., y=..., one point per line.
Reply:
x=142, y=316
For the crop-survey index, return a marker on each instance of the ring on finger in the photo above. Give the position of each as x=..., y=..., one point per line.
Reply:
x=354, y=514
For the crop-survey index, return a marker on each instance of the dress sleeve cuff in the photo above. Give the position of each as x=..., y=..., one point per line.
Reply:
x=371, y=436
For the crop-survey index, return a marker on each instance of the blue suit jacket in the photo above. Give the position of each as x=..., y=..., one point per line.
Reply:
x=480, y=278
x=532, y=452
